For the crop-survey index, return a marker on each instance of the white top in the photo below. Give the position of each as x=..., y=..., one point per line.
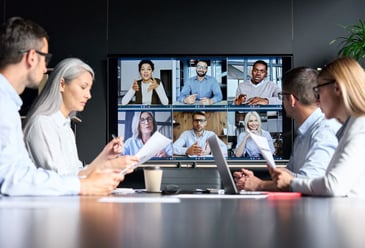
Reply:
x=147, y=95
x=18, y=175
x=346, y=171
x=51, y=144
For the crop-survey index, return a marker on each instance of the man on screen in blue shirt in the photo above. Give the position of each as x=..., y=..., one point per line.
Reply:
x=202, y=88
x=315, y=141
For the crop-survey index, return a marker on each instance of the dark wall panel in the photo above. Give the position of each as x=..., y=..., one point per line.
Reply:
x=200, y=27
x=76, y=29
x=316, y=23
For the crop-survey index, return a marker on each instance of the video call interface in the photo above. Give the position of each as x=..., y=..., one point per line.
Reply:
x=164, y=94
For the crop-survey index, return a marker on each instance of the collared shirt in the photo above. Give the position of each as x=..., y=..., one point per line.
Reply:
x=346, y=171
x=314, y=146
x=18, y=174
x=133, y=144
x=51, y=144
x=188, y=138
x=251, y=149
x=208, y=87
x=264, y=89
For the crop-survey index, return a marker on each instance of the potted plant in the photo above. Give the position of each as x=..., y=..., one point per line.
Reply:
x=353, y=45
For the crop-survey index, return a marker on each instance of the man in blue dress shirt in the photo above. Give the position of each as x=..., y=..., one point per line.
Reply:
x=315, y=141
x=23, y=60
x=202, y=88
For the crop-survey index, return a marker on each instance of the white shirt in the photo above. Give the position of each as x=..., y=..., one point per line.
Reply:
x=51, y=144
x=346, y=170
x=18, y=174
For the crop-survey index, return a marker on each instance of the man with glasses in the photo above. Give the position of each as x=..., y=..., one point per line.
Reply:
x=202, y=88
x=23, y=58
x=258, y=90
x=315, y=140
x=194, y=142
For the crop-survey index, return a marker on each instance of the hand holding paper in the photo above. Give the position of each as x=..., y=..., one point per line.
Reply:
x=264, y=147
x=153, y=146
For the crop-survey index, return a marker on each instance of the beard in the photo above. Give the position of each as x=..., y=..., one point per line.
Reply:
x=201, y=73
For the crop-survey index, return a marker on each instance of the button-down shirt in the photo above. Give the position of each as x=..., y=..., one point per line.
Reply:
x=314, y=146
x=51, y=144
x=208, y=87
x=18, y=174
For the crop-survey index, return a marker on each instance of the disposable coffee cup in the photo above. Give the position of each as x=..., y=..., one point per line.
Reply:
x=152, y=178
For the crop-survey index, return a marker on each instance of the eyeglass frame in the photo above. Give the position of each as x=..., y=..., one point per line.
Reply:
x=200, y=120
x=282, y=94
x=48, y=56
x=143, y=120
x=316, y=89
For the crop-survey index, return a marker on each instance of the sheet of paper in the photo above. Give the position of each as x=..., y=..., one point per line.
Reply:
x=264, y=147
x=156, y=143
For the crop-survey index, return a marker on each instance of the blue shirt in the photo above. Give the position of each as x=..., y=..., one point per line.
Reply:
x=18, y=174
x=251, y=149
x=314, y=146
x=188, y=138
x=133, y=144
x=208, y=87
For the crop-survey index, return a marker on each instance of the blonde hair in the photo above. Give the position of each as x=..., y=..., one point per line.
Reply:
x=247, y=118
x=350, y=77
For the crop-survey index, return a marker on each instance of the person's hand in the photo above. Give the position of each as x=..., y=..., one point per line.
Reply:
x=195, y=149
x=206, y=101
x=113, y=149
x=282, y=178
x=153, y=85
x=190, y=99
x=245, y=180
x=161, y=154
x=258, y=101
x=100, y=182
x=135, y=86
x=240, y=99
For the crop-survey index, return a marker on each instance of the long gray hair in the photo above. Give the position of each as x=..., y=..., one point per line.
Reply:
x=50, y=99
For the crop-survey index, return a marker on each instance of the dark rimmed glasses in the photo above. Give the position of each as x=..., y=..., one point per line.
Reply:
x=48, y=56
x=144, y=120
x=316, y=89
x=282, y=94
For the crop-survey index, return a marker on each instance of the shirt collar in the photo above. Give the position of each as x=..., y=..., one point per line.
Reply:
x=313, y=118
x=60, y=119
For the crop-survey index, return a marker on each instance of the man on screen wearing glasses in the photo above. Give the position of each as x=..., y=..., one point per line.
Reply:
x=202, y=88
x=193, y=142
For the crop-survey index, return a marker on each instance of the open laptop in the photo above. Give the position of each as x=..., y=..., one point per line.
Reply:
x=223, y=169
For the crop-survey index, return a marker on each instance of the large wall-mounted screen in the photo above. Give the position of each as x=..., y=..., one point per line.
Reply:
x=189, y=98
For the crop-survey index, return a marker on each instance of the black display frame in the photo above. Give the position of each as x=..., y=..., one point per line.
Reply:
x=113, y=77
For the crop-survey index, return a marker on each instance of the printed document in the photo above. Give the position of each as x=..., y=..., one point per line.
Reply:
x=264, y=147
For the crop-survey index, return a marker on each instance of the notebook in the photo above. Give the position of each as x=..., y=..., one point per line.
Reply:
x=229, y=185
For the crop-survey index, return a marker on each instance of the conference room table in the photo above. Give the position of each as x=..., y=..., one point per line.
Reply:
x=197, y=220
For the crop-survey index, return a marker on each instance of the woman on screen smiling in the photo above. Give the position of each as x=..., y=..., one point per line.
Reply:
x=143, y=127
x=246, y=146
x=341, y=94
x=148, y=90
x=47, y=131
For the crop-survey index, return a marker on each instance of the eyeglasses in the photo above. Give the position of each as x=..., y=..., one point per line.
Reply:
x=143, y=120
x=199, y=120
x=282, y=94
x=48, y=56
x=316, y=89
x=201, y=67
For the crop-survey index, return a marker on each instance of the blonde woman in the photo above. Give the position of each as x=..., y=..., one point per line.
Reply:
x=341, y=95
x=245, y=145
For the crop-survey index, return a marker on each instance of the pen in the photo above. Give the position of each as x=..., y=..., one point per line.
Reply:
x=113, y=136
